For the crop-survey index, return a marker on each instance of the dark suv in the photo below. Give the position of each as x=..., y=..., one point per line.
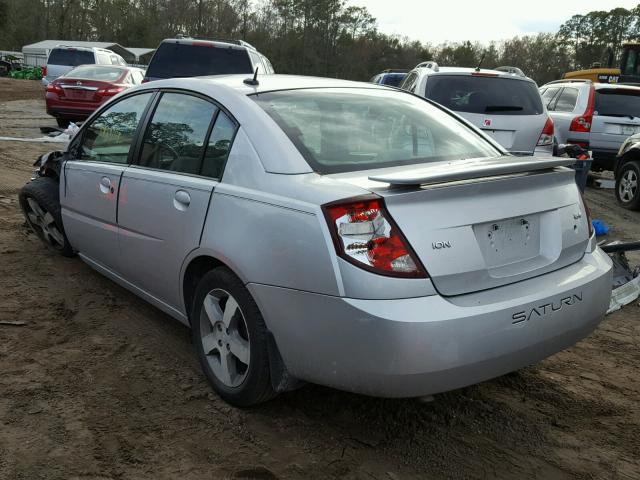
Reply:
x=189, y=57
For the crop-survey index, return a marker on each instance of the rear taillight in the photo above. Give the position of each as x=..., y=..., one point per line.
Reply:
x=365, y=235
x=54, y=88
x=583, y=122
x=44, y=71
x=589, y=217
x=546, y=137
x=109, y=92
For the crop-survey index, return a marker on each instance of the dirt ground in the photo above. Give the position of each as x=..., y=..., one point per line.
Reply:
x=97, y=384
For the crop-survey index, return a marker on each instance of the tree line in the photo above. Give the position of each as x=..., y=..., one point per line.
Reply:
x=312, y=37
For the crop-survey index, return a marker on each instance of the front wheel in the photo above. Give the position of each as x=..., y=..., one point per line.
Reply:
x=628, y=185
x=231, y=339
x=40, y=203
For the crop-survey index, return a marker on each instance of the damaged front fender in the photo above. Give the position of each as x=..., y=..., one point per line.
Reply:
x=49, y=164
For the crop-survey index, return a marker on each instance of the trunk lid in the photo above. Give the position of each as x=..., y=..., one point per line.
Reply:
x=516, y=133
x=475, y=225
x=616, y=117
x=80, y=90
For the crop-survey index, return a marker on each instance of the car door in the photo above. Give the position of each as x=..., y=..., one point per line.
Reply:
x=165, y=194
x=91, y=180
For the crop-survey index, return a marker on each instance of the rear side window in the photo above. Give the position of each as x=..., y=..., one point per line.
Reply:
x=219, y=146
x=410, y=82
x=567, y=100
x=70, y=57
x=343, y=130
x=485, y=95
x=617, y=102
x=184, y=60
x=175, y=137
x=109, y=137
x=548, y=95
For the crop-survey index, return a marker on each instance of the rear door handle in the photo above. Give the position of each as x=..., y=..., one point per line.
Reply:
x=105, y=185
x=181, y=200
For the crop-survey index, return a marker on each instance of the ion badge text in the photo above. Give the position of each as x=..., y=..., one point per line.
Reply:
x=547, y=308
x=440, y=245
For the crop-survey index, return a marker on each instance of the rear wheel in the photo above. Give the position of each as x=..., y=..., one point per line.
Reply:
x=40, y=203
x=231, y=339
x=628, y=185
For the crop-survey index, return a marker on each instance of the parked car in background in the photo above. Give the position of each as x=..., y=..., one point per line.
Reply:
x=392, y=78
x=596, y=116
x=335, y=232
x=78, y=93
x=190, y=57
x=64, y=58
x=504, y=104
x=627, y=173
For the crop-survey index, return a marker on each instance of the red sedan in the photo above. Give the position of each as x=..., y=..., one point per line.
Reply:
x=75, y=95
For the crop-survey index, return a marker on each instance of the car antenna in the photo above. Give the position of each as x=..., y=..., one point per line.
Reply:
x=480, y=62
x=254, y=80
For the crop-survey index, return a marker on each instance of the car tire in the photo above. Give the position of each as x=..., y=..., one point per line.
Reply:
x=628, y=185
x=40, y=204
x=231, y=339
x=62, y=122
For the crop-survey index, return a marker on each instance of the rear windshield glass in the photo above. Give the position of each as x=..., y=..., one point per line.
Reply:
x=494, y=95
x=343, y=130
x=87, y=72
x=393, y=79
x=182, y=60
x=70, y=57
x=617, y=102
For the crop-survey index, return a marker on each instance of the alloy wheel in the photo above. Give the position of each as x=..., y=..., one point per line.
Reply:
x=225, y=337
x=628, y=186
x=43, y=222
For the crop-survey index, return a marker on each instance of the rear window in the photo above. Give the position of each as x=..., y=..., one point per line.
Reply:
x=70, y=57
x=617, y=102
x=494, y=95
x=343, y=130
x=185, y=60
x=87, y=72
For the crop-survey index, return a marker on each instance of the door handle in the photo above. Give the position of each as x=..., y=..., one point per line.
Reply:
x=105, y=185
x=181, y=200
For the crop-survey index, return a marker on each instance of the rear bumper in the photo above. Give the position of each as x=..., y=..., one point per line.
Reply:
x=419, y=346
x=69, y=109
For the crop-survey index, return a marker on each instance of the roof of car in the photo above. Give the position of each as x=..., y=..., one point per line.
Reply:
x=205, y=41
x=468, y=71
x=266, y=83
x=577, y=82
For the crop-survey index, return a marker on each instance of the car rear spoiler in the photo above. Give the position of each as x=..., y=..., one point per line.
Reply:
x=442, y=172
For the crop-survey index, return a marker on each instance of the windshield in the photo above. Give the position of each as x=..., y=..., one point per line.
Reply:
x=477, y=94
x=70, y=57
x=185, y=60
x=393, y=79
x=349, y=129
x=90, y=72
x=617, y=102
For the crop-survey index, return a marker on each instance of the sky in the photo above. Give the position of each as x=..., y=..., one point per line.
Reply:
x=477, y=20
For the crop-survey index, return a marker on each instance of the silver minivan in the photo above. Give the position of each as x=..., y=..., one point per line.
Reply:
x=596, y=116
x=64, y=58
x=504, y=104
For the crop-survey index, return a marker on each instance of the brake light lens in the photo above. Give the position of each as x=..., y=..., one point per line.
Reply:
x=54, y=88
x=44, y=71
x=583, y=122
x=365, y=235
x=546, y=137
x=109, y=92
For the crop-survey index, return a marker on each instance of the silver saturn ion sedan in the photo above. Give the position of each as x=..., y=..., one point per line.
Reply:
x=326, y=231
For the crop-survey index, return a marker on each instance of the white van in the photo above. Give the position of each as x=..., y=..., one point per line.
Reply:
x=64, y=58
